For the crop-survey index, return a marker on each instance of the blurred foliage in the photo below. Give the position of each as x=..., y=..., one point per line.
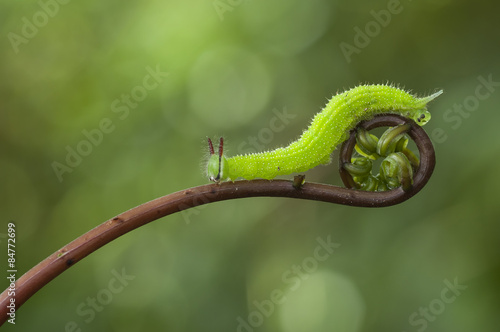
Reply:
x=229, y=68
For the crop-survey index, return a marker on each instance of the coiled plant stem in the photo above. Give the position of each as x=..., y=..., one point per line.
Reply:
x=61, y=260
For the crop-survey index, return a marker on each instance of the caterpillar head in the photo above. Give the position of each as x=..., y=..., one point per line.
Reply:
x=217, y=167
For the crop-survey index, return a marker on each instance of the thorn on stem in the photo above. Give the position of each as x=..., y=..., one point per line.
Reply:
x=298, y=181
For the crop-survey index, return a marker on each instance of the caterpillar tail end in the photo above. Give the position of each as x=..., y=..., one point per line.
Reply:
x=430, y=98
x=421, y=116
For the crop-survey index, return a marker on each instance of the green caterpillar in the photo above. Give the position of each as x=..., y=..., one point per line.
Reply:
x=328, y=128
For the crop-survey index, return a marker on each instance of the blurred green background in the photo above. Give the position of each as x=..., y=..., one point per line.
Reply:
x=148, y=81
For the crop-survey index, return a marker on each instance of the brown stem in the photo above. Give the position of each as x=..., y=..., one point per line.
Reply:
x=67, y=256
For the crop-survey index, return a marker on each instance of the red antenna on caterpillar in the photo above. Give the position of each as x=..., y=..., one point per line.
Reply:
x=214, y=167
x=221, y=146
x=210, y=146
x=221, y=149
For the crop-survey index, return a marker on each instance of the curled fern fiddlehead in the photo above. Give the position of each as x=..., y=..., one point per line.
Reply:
x=397, y=167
